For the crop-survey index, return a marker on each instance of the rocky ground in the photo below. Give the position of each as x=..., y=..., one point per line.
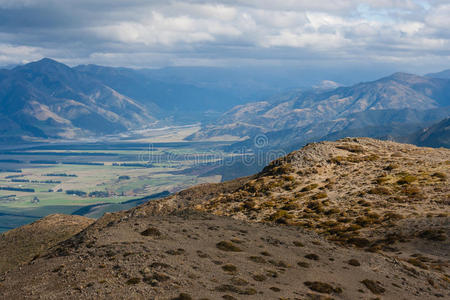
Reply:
x=20, y=245
x=353, y=219
x=210, y=257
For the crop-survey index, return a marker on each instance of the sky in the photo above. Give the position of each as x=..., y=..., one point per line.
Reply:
x=411, y=35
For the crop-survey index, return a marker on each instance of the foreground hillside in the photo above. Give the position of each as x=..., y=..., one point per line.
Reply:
x=20, y=245
x=353, y=219
x=205, y=256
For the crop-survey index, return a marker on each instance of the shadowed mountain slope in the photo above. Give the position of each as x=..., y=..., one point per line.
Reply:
x=437, y=135
x=400, y=99
x=49, y=99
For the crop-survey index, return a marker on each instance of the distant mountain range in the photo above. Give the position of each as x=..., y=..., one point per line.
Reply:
x=444, y=74
x=390, y=107
x=437, y=135
x=49, y=99
x=167, y=98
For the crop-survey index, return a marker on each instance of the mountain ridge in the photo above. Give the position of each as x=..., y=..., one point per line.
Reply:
x=284, y=232
x=49, y=99
x=293, y=111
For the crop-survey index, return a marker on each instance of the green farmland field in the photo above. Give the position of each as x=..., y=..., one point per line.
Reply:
x=114, y=175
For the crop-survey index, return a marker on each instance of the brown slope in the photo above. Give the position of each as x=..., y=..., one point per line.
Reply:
x=380, y=196
x=20, y=245
x=210, y=257
x=113, y=258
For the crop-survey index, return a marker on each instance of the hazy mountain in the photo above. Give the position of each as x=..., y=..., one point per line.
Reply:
x=190, y=94
x=49, y=99
x=437, y=135
x=300, y=117
x=186, y=102
x=444, y=74
x=381, y=124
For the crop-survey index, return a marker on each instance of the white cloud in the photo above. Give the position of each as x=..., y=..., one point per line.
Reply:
x=202, y=31
x=10, y=54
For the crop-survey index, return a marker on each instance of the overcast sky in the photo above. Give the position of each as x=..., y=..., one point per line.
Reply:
x=410, y=34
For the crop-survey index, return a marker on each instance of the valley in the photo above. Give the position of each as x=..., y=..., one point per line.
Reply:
x=66, y=178
x=202, y=150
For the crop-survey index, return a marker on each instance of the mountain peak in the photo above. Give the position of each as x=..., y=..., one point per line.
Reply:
x=47, y=62
x=402, y=76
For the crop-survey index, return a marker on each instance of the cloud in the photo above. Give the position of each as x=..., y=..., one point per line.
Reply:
x=202, y=32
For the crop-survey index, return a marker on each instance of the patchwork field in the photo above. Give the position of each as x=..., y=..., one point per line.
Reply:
x=40, y=180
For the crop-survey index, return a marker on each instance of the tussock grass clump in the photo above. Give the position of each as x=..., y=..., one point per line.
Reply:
x=303, y=264
x=391, y=216
x=257, y=259
x=279, y=263
x=374, y=287
x=239, y=281
x=275, y=168
x=381, y=179
x=407, y=179
x=315, y=206
x=309, y=187
x=134, y=280
x=363, y=221
x=281, y=216
x=156, y=277
x=320, y=195
x=291, y=206
x=233, y=289
x=390, y=167
x=178, y=251
x=364, y=203
x=312, y=256
x=351, y=148
x=379, y=191
x=322, y=287
x=183, y=296
x=259, y=277
x=371, y=157
x=332, y=211
x=228, y=246
x=433, y=235
x=338, y=160
x=416, y=262
x=439, y=175
x=151, y=231
x=354, y=262
x=298, y=244
x=410, y=191
x=268, y=204
x=229, y=268
x=359, y=242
